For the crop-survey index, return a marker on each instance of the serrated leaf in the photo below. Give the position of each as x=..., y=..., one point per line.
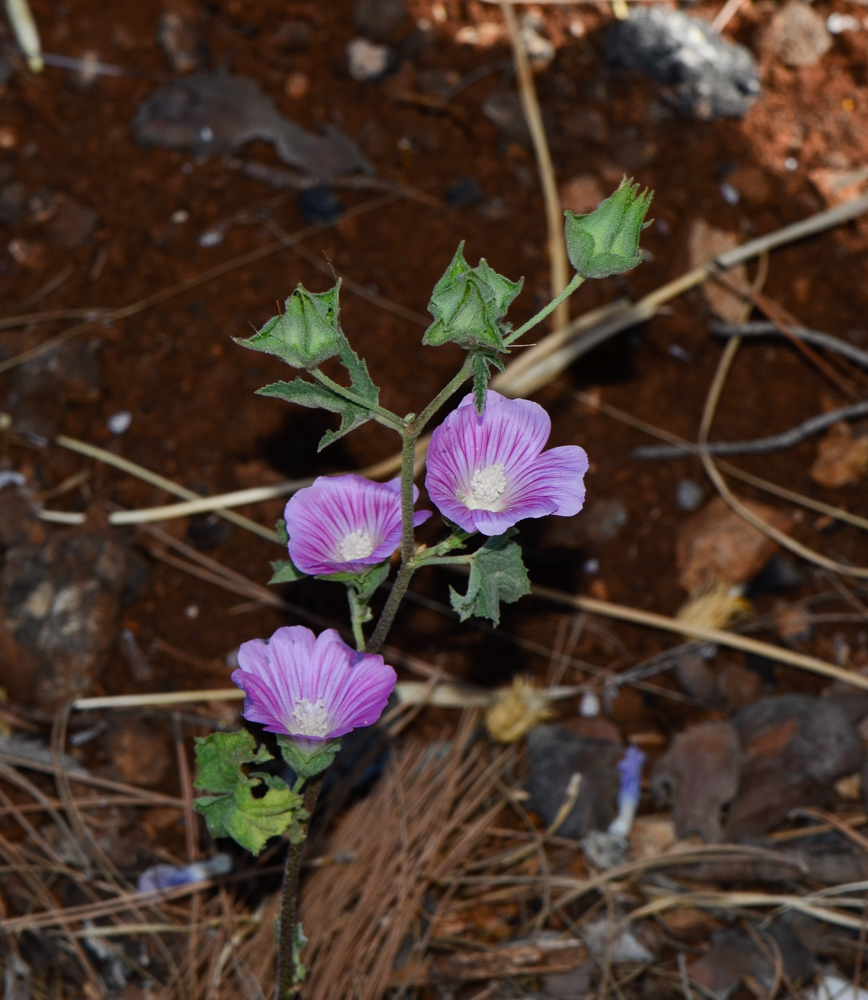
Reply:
x=285, y=571
x=281, y=532
x=220, y=757
x=497, y=574
x=249, y=820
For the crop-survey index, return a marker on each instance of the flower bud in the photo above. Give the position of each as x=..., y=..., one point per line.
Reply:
x=606, y=241
x=467, y=305
x=306, y=333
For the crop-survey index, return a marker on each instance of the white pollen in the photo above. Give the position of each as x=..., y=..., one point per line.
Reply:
x=310, y=719
x=356, y=545
x=486, y=486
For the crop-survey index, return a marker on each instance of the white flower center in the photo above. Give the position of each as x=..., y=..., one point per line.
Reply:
x=310, y=719
x=356, y=545
x=486, y=486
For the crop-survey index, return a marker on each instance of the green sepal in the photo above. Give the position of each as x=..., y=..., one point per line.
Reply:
x=281, y=532
x=606, y=241
x=468, y=304
x=285, y=571
x=497, y=574
x=310, y=759
x=364, y=584
x=479, y=366
x=318, y=396
x=220, y=757
x=306, y=334
x=235, y=812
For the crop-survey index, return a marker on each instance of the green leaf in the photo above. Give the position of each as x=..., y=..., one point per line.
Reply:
x=309, y=758
x=281, y=532
x=249, y=820
x=606, y=241
x=468, y=304
x=479, y=365
x=306, y=334
x=497, y=574
x=220, y=757
x=285, y=571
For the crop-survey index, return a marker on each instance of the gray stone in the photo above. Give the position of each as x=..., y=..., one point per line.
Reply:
x=797, y=35
x=688, y=495
x=603, y=519
x=706, y=76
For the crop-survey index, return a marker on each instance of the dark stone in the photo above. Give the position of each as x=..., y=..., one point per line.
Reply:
x=11, y=203
x=463, y=192
x=554, y=754
x=72, y=225
x=707, y=76
x=319, y=204
x=383, y=21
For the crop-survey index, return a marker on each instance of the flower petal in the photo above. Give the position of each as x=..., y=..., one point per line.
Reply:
x=555, y=478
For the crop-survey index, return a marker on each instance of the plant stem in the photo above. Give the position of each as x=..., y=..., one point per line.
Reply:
x=288, y=984
x=408, y=548
x=444, y=394
x=445, y=560
x=357, y=612
x=541, y=315
x=378, y=413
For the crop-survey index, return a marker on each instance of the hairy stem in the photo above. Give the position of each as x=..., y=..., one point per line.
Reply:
x=541, y=315
x=408, y=547
x=288, y=983
x=444, y=394
x=357, y=615
x=378, y=413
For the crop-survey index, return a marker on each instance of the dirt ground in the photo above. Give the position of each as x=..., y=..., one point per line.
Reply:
x=190, y=390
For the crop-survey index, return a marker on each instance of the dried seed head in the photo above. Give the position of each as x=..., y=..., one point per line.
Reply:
x=517, y=709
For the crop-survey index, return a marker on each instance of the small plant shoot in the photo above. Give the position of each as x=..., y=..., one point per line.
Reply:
x=488, y=468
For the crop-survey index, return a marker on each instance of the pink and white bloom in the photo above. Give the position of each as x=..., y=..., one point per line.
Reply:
x=345, y=524
x=487, y=472
x=311, y=687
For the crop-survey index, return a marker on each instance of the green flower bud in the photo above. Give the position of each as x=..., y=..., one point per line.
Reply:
x=606, y=241
x=306, y=333
x=467, y=305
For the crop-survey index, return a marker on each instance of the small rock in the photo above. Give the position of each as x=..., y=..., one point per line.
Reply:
x=180, y=42
x=717, y=544
x=568, y=985
x=841, y=458
x=688, y=495
x=738, y=686
x=60, y=602
x=554, y=754
x=119, y=422
x=837, y=186
x=319, y=204
x=837, y=24
x=367, y=61
x=44, y=204
x=794, y=747
x=707, y=76
x=602, y=520
x=582, y=194
x=72, y=225
x=139, y=753
x=703, y=245
x=483, y=34
x=11, y=203
x=588, y=124
x=797, y=35
x=463, y=192
x=383, y=21
x=695, y=676
x=292, y=36
x=540, y=50
x=792, y=623
x=699, y=775
x=503, y=107
x=780, y=573
x=608, y=941
x=30, y=254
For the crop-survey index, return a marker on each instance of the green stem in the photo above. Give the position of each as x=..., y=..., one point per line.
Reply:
x=541, y=315
x=444, y=560
x=408, y=547
x=288, y=983
x=444, y=394
x=357, y=614
x=378, y=413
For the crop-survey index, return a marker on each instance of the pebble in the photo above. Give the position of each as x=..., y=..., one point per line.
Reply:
x=796, y=35
x=540, y=50
x=688, y=495
x=73, y=224
x=119, y=422
x=180, y=41
x=706, y=76
x=603, y=520
x=367, y=61
x=319, y=204
x=383, y=21
x=836, y=24
x=463, y=192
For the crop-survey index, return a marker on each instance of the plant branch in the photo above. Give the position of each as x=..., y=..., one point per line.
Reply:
x=541, y=315
x=444, y=394
x=378, y=413
x=357, y=616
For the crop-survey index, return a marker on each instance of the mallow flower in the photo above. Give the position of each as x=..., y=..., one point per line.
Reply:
x=487, y=472
x=311, y=687
x=345, y=524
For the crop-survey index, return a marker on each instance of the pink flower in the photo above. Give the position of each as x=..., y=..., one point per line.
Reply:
x=345, y=524
x=311, y=687
x=487, y=472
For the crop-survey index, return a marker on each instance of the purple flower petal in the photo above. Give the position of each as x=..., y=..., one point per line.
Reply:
x=486, y=473
x=345, y=524
x=316, y=688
